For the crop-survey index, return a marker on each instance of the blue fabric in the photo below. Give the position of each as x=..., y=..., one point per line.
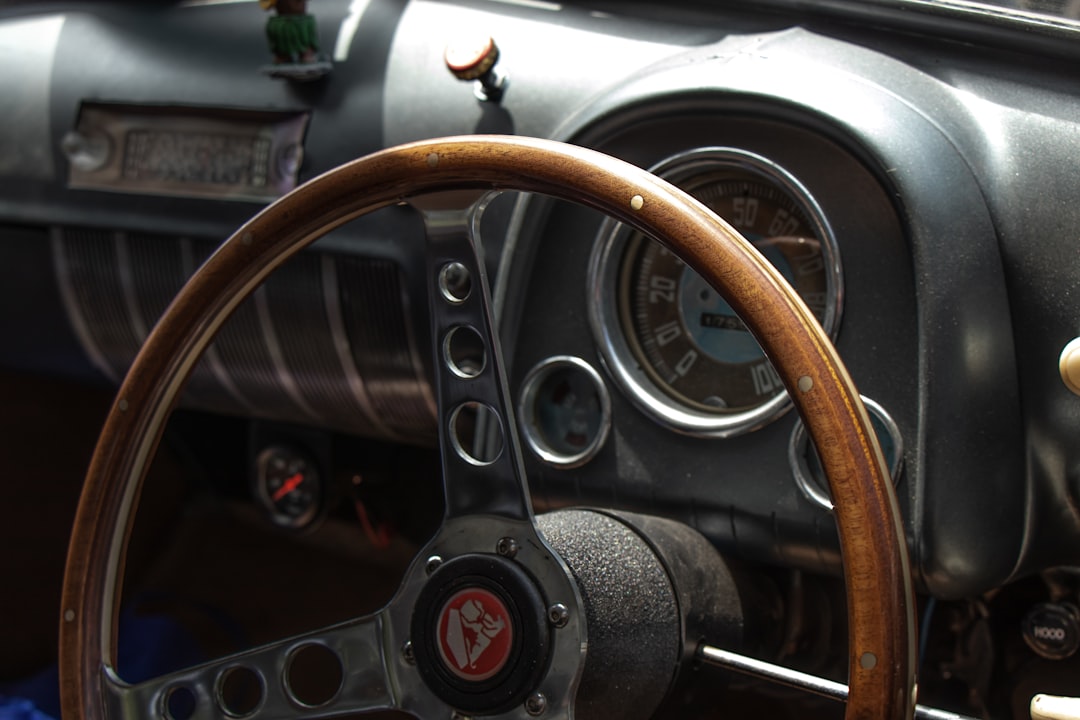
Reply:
x=36, y=698
x=13, y=708
x=150, y=646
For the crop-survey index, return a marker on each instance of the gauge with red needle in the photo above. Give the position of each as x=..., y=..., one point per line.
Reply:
x=288, y=486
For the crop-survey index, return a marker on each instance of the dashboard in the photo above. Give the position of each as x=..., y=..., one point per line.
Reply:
x=909, y=168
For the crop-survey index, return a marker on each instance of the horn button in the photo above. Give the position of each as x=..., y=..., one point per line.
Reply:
x=480, y=634
x=475, y=634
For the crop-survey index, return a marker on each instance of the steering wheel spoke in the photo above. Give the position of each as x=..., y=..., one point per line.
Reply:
x=481, y=460
x=488, y=546
x=345, y=669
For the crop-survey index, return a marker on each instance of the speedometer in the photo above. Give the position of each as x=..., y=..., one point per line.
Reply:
x=670, y=341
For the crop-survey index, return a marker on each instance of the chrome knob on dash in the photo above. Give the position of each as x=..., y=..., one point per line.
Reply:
x=1069, y=366
x=474, y=58
x=1052, y=707
x=86, y=152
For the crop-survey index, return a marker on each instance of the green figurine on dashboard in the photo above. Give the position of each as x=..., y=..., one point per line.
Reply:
x=292, y=33
x=294, y=41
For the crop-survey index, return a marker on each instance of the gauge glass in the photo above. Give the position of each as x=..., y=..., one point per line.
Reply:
x=288, y=486
x=673, y=343
x=565, y=411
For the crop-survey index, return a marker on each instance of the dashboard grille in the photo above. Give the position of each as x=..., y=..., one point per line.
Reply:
x=326, y=341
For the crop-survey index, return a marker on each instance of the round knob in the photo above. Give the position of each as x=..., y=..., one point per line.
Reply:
x=86, y=152
x=1069, y=366
x=1053, y=630
x=470, y=58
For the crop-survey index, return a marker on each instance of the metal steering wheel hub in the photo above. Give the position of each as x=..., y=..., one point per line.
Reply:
x=493, y=617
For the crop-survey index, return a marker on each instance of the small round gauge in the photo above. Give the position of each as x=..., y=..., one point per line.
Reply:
x=565, y=411
x=288, y=485
x=672, y=342
x=806, y=465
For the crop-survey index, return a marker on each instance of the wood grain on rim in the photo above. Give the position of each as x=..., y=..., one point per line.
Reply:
x=880, y=605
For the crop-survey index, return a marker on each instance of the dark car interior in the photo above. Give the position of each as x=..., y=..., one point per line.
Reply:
x=907, y=167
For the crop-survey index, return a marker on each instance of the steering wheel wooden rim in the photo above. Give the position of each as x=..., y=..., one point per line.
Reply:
x=876, y=569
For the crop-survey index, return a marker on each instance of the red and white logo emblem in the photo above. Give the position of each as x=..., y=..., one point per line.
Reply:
x=475, y=634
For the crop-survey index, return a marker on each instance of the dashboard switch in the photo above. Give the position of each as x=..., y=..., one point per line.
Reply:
x=1053, y=630
x=473, y=58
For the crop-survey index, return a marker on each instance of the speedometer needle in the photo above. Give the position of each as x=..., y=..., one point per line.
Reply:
x=288, y=486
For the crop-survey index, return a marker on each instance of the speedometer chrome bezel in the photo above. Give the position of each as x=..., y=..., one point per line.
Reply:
x=604, y=312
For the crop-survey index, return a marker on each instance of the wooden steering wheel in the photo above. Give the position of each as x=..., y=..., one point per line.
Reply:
x=486, y=502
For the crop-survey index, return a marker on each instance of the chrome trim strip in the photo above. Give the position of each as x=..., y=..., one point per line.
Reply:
x=427, y=392
x=334, y=318
x=30, y=45
x=72, y=307
x=210, y=355
x=277, y=357
x=126, y=274
x=348, y=29
x=203, y=3
x=535, y=4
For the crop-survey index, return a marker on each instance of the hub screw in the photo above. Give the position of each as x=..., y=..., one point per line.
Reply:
x=558, y=615
x=507, y=547
x=433, y=564
x=407, y=652
x=536, y=704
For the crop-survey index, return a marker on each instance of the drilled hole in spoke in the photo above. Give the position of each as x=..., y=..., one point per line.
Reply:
x=180, y=704
x=476, y=433
x=455, y=282
x=464, y=352
x=314, y=675
x=240, y=691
